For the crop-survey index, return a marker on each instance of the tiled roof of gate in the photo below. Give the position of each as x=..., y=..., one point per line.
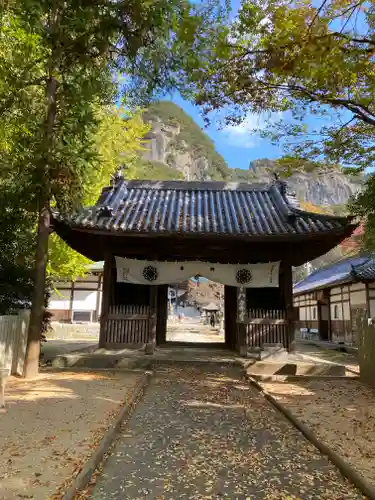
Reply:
x=357, y=268
x=180, y=207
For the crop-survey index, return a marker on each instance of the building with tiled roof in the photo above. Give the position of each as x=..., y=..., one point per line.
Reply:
x=247, y=235
x=330, y=299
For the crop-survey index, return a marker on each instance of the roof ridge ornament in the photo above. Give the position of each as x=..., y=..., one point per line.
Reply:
x=279, y=190
x=105, y=211
x=118, y=176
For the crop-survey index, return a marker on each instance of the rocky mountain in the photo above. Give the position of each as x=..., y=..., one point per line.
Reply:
x=323, y=188
x=176, y=141
x=176, y=147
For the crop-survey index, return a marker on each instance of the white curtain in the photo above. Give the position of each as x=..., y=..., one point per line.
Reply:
x=144, y=272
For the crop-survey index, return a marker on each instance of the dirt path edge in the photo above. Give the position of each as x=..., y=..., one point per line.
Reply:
x=84, y=476
x=346, y=470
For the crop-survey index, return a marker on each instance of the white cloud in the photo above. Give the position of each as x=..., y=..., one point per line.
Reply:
x=243, y=135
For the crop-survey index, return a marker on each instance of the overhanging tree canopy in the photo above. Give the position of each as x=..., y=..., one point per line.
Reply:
x=68, y=54
x=299, y=57
x=302, y=60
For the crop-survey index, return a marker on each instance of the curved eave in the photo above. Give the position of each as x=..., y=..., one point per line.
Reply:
x=344, y=220
x=269, y=236
x=93, y=242
x=331, y=284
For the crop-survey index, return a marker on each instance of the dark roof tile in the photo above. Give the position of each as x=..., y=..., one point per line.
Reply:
x=179, y=207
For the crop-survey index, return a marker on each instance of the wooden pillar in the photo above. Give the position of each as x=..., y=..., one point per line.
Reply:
x=287, y=284
x=230, y=316
x=153, y=318
x=107, y=277
x=241, y=321
x=71, y=301
x=97, y=303
x=162, y=315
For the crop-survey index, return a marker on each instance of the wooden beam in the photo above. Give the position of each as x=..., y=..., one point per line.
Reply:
x=97, y=304
x=368, y=300
x=230, y=324
x=287, y=284
x=223, y=248
x=162, y=315
x=107, y=277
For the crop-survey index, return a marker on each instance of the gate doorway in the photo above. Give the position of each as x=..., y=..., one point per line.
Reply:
x=189, y=316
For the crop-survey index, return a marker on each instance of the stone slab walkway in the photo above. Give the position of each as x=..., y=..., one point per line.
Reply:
x=204, y=434
x=314, y=352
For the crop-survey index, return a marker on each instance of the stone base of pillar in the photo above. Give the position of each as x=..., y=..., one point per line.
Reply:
x=243, y=351
x=150, y=348
x=292, y=346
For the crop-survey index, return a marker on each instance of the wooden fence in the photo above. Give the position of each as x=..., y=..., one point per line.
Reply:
x=265, y=326
x=13, y=339
x=127, y=325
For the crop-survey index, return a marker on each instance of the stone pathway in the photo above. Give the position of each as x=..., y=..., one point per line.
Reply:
x=203, y=434
x=328, y=355
x=193, y=332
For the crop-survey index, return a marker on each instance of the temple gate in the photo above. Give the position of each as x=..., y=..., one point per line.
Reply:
x=234, y=232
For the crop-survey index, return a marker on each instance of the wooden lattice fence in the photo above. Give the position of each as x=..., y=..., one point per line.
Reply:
x=265, y=326
x=127, y=325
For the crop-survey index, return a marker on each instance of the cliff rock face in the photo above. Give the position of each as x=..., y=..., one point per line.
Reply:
x=178, y=143
x=164, y=146
x=320, y=188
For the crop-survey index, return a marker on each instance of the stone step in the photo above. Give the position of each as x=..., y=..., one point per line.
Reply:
x=300, y=368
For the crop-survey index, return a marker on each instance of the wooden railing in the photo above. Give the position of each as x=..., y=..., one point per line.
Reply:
x=127, y=324
x=266, y=326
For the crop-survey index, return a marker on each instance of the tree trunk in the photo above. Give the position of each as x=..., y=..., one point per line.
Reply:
x=31, y=366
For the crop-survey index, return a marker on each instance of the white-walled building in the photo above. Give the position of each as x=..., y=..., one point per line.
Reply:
x=78, y=301
x=329, y=301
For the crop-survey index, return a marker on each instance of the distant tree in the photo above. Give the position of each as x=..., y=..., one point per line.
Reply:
x=300, y=57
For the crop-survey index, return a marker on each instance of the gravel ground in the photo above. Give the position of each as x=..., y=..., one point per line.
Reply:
x=193, y=331
x=200, y=434
x=51, y=425
x=340, y=412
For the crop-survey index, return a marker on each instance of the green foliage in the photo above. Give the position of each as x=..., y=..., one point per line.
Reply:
x=50, y=95
x=17, y=241
x=78, y=47
x=303, y=58
x=197, y=141
x=118, y=141
x=154, y=170
x=66, y=55
x=298, y=57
